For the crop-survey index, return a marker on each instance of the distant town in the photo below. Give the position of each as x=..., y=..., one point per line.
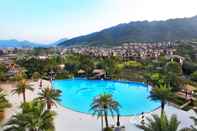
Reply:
x=127, y=50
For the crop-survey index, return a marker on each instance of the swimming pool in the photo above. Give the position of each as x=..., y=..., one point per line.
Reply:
x=78, y=94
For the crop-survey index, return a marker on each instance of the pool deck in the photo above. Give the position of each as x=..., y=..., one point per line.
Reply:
x=68, y=120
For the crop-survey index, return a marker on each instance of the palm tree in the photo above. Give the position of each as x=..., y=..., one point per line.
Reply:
x=99, y=112
x=162, y=123
x=21, y=75
x=49, y=96
x=3, y=104
x=162, y=93
x=21, y=88
x=102, y=104
x=33, y=117
x=147, y=78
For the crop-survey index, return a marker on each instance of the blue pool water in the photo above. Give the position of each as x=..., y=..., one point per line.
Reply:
x=78, y=94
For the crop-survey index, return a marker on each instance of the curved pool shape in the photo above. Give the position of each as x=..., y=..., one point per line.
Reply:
x=78, y=94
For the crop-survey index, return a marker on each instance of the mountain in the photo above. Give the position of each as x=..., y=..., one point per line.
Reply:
x=54, y=44
x=139, y=31
x=18, y=44
x=60, y=41
x=27, y=44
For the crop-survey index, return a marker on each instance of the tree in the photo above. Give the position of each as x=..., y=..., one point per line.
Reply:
x=161, y=93
x=20, y=75
x=36, y=76
x=189, y=67
x=21, y=88
x=162, y=123
x=49, y=96
x=99, y=112
x=3, y=104
x=133, y=64
x=194, y=76
x=173, y=67
x=108, y=65
x=154, y=78
x=174, y=81
x=33, y=64
x=147, y=78
x=103, y=104
x=3, y=71
x=86, y=64
x=33, y=117
x=186, y=50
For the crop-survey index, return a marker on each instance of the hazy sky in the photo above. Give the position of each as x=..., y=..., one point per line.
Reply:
x=49, y=20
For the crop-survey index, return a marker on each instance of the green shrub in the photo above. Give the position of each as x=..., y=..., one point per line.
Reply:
x=194, y=76
x=63, y=75
x=133, y=64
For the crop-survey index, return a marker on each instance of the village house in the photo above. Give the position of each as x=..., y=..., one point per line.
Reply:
x=127, y=50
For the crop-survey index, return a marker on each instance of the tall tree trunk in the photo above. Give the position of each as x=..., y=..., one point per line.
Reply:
x=106, y=120
x=33, y=129
x=24, y=98
x=118, y=120
x=162, y=107
x=2, y=115
x=102, y=122
x=48, y=105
